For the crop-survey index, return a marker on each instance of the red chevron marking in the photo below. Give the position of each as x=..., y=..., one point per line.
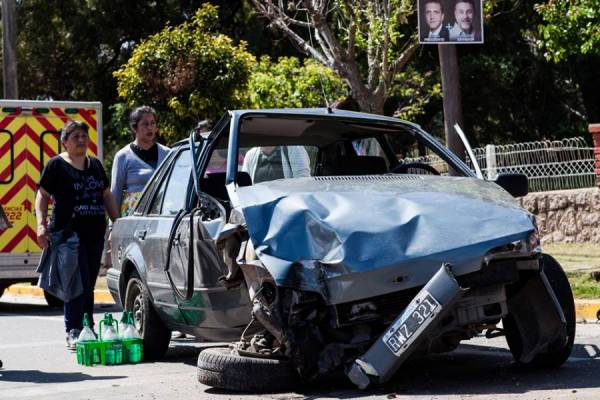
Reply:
x=6, y=121
x=60, y=114
x=24, y=155
x=25, y=180
x=27, y=205
x=45, y=123
x=87, y=116
x=91, y=122
x=26, y=231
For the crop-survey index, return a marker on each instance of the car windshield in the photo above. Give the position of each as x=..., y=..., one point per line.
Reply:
x=286, y=147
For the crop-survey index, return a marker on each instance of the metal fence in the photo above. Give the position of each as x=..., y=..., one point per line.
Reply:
x=549, y=165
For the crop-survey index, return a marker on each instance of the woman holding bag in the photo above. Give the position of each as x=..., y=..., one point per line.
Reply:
x=79, y=188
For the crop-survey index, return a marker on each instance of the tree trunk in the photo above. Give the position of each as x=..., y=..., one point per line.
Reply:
x=369, y=102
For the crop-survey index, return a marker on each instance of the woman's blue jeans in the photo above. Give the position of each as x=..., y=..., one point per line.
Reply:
x=90, y=252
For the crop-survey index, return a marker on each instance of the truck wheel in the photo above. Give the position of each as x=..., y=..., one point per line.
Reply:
x=223, y=368
x=155, y=334
x=558, y=352
x=53, y=301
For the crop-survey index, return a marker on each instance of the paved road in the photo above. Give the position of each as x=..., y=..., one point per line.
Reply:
x=37, y=366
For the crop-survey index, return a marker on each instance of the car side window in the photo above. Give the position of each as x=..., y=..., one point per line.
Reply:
x=147, y=196
x=174, y=194
x=158, y=198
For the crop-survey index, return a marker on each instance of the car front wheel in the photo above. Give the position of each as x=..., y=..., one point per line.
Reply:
x=155, y=334
x=557, y=353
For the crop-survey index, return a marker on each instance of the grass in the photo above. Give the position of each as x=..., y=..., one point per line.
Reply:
x=578, y=260
x=584, y=286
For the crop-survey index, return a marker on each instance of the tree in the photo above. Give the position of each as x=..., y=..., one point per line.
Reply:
x=188, y=72
x=366, y=42
x=570, y=32
x=569, y=28
x=290, y=82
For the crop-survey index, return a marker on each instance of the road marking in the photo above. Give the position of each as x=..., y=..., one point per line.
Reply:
x=591, y=350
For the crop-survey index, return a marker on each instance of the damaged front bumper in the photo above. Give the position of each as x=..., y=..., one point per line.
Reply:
x=399, y=341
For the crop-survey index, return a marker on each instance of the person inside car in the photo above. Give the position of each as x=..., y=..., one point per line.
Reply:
x=268, y=163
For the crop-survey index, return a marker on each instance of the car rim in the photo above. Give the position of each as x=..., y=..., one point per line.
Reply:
x=138, y=311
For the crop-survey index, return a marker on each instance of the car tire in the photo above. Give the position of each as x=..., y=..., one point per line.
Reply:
x=557, y=353
x=53, y=301
x=224, y=368
x=155, y=334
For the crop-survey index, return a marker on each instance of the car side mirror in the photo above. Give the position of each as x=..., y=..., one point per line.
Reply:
x=515, y=184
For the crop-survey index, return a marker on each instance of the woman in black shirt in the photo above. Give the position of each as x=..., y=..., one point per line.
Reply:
x=79, y=188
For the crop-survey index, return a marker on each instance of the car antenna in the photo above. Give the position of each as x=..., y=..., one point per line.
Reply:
x=327, y=102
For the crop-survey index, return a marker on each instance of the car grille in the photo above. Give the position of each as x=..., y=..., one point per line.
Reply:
x=368, y=178
x=384, y=308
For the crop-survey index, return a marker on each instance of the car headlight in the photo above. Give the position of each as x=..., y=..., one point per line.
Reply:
x=533, y=242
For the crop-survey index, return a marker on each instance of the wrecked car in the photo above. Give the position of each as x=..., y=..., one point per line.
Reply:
x=319, y=240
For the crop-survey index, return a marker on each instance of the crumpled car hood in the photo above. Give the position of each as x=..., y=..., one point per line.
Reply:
x=329, y=234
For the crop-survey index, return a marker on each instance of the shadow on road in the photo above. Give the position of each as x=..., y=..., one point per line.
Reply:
x=36, y=376
x=470, y=370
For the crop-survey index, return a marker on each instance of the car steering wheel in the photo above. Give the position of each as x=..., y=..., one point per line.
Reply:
x=404, y=168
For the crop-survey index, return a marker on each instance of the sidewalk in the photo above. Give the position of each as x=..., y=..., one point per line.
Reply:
x=586, y=310
x=100, y=296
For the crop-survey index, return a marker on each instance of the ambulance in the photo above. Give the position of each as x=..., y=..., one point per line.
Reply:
x=29, y=137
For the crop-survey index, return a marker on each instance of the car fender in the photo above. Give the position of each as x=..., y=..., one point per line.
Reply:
x=132, y=259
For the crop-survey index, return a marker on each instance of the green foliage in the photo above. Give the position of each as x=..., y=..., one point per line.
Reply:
x=292, y=83
x=569, y=28
x=188, y=72
x=412, y=91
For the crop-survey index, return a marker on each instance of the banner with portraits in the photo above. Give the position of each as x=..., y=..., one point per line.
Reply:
x=450, y=21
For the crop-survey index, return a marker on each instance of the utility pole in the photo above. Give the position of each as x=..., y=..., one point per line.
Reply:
x=452, y=99
x=9, y=56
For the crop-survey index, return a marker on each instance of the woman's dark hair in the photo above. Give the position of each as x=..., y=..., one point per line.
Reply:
x=137, y=114
x=71, y=127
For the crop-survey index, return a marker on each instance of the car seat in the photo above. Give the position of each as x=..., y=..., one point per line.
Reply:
x=358, y=165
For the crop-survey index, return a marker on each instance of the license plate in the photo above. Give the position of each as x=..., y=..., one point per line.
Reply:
x=414, y=319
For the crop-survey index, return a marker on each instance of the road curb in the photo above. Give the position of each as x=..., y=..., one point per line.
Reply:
x=587, y=310
x=100, y=296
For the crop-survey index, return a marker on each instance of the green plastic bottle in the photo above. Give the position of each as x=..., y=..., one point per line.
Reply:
x=132, y=341
x=88, y=348
x=112, y=346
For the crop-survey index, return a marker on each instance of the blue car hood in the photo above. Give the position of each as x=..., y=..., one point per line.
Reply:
x=328, y=234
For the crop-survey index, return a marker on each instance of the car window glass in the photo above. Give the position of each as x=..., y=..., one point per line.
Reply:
x=147, y=195
x=158, y=198
x=177, y=185
x=408, y=151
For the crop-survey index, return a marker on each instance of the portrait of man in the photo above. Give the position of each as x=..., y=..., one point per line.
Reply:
x=465, y=29
x=433, y=12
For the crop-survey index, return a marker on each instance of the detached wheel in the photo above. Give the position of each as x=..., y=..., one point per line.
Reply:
x=53, y=301
x=223, y=368
x=558, y=352
x=155, y=334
